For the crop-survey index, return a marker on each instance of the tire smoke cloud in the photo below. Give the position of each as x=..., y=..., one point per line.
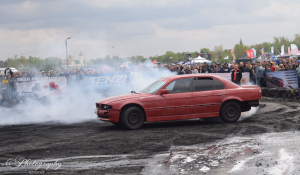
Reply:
x=78, y=105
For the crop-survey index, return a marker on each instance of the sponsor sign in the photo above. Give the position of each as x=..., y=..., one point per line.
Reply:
x=244, y=81
x=107, y=81
x=282, y=79
x=41, y=86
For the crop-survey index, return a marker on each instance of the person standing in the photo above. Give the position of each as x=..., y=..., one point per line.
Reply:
x=242, y=67
x=236, y=75
x=259, y=73
x=226, y=69
x=195, y=70
x=264, y=79
x=272, y=67
x=248, y=69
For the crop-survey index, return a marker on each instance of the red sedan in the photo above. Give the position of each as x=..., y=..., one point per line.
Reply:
x=180, y=97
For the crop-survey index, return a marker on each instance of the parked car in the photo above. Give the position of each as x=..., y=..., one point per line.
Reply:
x=178, y=98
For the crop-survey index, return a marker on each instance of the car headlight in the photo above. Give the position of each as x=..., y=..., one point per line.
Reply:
x=105, y=107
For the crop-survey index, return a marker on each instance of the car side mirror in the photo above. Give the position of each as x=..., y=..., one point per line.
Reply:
x=164, y=91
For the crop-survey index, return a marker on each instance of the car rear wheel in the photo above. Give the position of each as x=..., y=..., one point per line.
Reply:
x=132, y=118
x=230, y=112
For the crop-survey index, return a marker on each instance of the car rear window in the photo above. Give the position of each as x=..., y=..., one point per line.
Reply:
x=218, y=84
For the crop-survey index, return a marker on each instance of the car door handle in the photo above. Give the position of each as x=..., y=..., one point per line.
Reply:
x=219, y=94
x=187, y=97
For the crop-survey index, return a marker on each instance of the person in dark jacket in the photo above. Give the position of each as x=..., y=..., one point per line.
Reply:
x=248, y=69
x=226, y=69
x=220, y=68
x=207, y=69
x=242, y=67
x=236, y=75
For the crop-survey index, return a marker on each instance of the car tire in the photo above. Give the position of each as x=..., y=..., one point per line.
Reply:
x=132, y=118
x=230, y=112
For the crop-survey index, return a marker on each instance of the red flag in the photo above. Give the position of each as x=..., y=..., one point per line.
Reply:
x=170, y=57
x=251, y=53
x=248, y=53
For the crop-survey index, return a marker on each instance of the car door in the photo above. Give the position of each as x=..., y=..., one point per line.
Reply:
x=202, y=94
x=217, y=95
x=177, y=101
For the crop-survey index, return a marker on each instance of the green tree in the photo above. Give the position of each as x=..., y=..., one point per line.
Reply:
x=240, y=50
x=296, y=40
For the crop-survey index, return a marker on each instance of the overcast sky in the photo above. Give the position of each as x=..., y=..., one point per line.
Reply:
x=139, y=27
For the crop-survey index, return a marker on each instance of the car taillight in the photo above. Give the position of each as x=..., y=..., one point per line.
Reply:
x=259, y=93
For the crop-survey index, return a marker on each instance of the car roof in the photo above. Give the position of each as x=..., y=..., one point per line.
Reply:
x=191, y=76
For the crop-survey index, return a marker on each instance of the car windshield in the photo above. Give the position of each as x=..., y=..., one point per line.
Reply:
x=153, y=88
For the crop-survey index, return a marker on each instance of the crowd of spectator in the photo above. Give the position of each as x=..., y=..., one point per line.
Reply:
x=257, y=71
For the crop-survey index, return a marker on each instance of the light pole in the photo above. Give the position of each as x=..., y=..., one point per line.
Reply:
x=67, y=55
x=221, y=51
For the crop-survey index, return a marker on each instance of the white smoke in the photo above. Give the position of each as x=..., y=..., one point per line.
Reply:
x=78, y=106
x=248, y=114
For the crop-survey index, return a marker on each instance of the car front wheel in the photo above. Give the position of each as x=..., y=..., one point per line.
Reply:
x=230, y=112
x=132, y=118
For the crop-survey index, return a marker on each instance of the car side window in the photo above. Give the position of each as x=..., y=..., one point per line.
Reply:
x=179, y=86
x=203, y=84
x=218, y=85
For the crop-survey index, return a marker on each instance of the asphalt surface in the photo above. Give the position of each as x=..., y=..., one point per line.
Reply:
x=264, y=143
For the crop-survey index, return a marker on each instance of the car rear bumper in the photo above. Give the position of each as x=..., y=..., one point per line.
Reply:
x=108, y=115
x=253, y=103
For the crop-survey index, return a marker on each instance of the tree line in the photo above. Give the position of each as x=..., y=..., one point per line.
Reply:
x=218, y=53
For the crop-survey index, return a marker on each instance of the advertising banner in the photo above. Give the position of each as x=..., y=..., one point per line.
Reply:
x=41, y=86
x=294, y=49
x=282, y=50
x=282, y=79
x=244, y=81
x=254, y=52
x=272, y=50
x=107, y=81
x=251, y=53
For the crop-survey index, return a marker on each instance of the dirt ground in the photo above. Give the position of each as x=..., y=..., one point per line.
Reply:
x=178, y=147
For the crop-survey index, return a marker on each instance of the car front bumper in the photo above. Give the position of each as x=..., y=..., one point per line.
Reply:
x=107, y=115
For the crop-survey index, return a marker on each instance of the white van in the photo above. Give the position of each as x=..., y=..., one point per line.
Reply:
x=11, y=68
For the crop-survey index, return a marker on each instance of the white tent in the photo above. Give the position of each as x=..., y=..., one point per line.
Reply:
x=200, y=60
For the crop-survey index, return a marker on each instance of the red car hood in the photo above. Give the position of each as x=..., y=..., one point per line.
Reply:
x=122, y=97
